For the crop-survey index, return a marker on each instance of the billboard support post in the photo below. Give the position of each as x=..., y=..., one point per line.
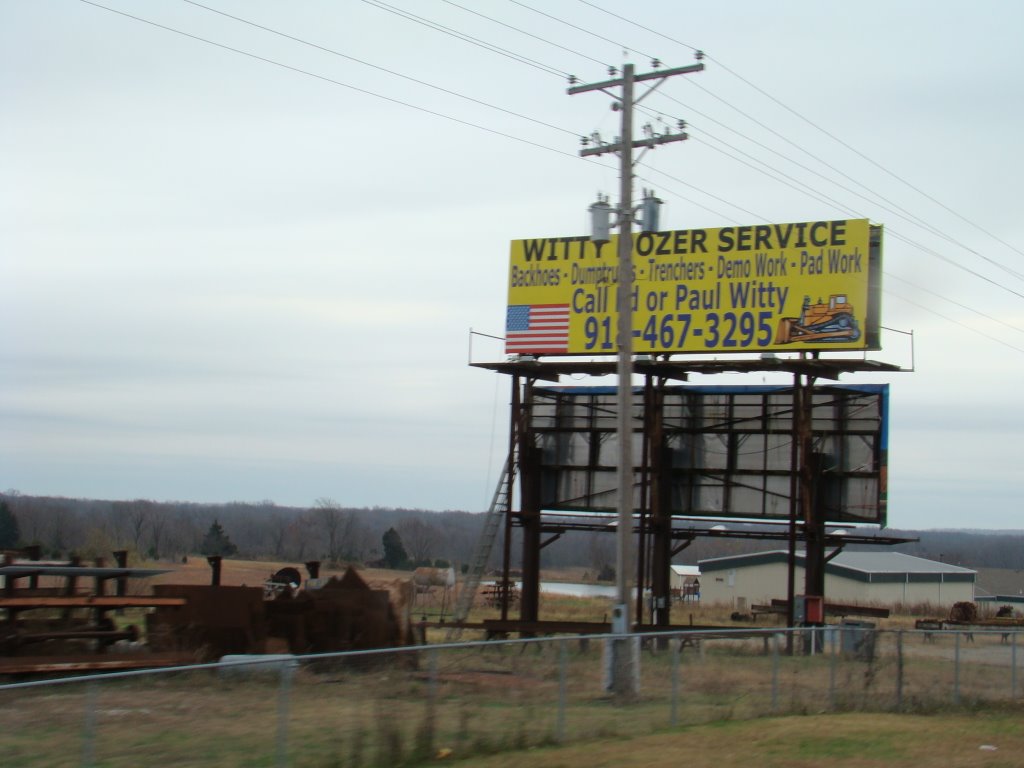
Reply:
x=793, y=486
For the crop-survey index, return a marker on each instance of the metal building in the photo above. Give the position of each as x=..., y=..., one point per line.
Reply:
x=864, y=578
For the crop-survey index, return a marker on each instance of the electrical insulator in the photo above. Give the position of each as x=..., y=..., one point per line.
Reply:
x=600, y=221
x=650, y=209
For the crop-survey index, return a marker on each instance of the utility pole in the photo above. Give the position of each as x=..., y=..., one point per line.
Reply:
x=624, y=676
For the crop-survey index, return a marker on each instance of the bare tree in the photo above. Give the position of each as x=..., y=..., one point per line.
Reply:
x=278, y=531
x=157, y=525
x=32, y=523
x=420, y=538
x=336, y=525
x=360, y=540
x=302, y=537
x=138, y=516
x=59, y=529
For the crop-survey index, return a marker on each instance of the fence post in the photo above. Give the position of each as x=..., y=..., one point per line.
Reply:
x=956, y=671
x=775, y=672
x=674, y=716
x=430, y=725
x=563, y=689
x=899, y=669
x=833, y=663
x=283, y=696
x=1013, y=666
x=89, y=728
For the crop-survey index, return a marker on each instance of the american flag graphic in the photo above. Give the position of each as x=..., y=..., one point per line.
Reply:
x=537, y=328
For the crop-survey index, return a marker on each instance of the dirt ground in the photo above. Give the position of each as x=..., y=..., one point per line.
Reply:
x=252, y=573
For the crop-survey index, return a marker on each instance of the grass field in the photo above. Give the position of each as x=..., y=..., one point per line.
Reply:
x=499, y=704
x=717, y=702
x=993, y=739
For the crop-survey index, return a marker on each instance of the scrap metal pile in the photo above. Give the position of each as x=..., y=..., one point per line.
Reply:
x=333, y=615
x=61, y=616
x=65, y=616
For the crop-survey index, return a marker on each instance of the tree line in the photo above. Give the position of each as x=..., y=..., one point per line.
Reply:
x=333, y=533
x=151, y=530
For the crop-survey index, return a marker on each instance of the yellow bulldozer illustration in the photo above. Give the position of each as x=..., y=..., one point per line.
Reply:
x=821, y=322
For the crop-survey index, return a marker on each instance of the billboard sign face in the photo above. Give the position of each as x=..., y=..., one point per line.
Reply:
x=722, y=451
x=770, y=287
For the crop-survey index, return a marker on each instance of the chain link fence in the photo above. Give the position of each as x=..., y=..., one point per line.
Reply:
x=410, y=706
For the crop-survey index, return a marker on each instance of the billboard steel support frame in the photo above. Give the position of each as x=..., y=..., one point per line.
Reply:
x=806, y=520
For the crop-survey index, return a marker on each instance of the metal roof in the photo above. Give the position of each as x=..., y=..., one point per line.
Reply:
x=893, y=562
x=686, y=570
x=864, y=562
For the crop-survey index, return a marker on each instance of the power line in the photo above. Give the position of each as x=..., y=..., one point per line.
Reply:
x=846, y=209
x=522, y=31
x=777, y=134
x=820, y=197
x=328, y=79
x=635, y=24
x=954, y=263
x=898, y=236
x=876, y=164
x=412, y=79
x=955, y=322
x=896, y=209
x=912, y=244
x=382, y=69
x=787, y=180
x=839, y=206
x=579, y=28
x=705, y=192
x=795, y=185
x=518, y=139
x=844, y=175
x=954, y=302
x=466, y=38
x=668, y=190
x=403, y=103
x=830, y=135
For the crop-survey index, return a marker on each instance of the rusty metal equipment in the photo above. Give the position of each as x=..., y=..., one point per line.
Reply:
x=286, y=579
x=47, y=610
x=343, y=614
x=217, y=620
x=52, y=612
x=210, y=622
x=501, y=593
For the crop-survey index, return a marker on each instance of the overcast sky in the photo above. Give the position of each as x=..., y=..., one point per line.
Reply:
x=230, y=279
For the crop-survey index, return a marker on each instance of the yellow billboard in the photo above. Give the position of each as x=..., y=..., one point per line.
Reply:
x=769, y=287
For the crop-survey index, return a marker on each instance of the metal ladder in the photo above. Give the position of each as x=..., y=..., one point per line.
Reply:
x=500, y=506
